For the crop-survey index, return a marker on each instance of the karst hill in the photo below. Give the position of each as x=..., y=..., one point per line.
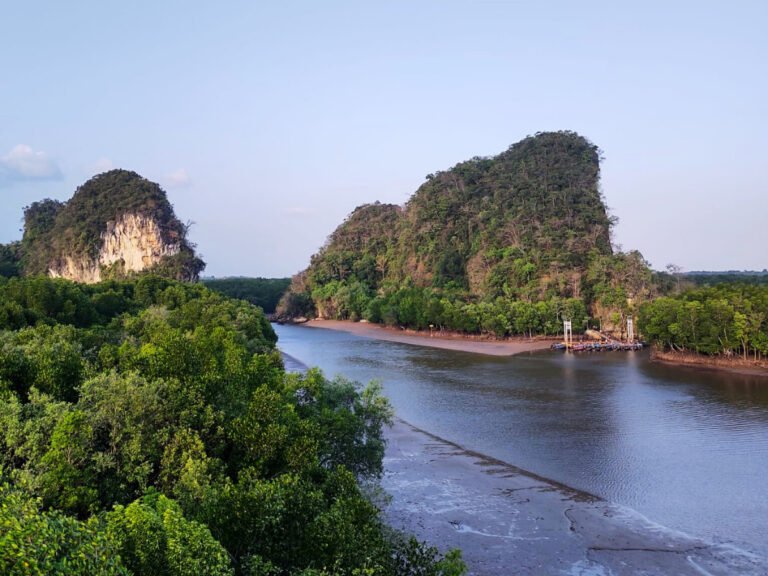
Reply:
x=528, y=225
x=115, y=224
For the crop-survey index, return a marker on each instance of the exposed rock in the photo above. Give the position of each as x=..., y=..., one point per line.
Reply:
x=116, y=224
x=134, y=242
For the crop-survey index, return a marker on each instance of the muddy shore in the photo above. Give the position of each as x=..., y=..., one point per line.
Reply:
x=510, y=347
x=699, y=361
x=509, y=522
x=436, y=340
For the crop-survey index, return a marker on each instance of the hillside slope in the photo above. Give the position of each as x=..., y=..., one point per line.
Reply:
x=526, y=226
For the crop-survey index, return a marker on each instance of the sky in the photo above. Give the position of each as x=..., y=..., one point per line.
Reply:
x=267, y=123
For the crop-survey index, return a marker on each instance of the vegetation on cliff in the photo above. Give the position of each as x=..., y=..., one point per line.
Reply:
x=56, y=230
x=503, y=245
x=148, y=427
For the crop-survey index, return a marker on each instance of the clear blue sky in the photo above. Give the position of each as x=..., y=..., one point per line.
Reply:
x=267, y=123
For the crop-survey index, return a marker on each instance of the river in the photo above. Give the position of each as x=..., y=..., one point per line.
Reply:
x=686, y=448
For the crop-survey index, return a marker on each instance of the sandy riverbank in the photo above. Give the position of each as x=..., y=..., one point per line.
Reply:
x=510, y=522
x=510, y=347
x=436, y=340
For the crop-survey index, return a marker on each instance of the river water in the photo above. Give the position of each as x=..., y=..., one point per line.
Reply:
x=686, y=448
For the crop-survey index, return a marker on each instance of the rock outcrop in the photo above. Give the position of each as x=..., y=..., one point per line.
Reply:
x=133, y=242
x=115, y=225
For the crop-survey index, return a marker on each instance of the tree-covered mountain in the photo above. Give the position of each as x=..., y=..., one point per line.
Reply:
x=115, y=224
x=478, y=247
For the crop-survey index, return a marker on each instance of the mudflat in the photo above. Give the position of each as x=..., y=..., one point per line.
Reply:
x=435, y=340
x=510, y=522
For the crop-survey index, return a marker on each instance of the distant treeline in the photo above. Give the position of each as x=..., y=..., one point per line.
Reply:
x=722, y=320
x=703, y=278
x=263, y=292
x=10, y=256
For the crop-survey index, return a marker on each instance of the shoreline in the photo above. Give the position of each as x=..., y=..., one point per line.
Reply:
x=507, y=520
x=701, y=362
x=511, y=347
x=510, y=521
x=459, y=343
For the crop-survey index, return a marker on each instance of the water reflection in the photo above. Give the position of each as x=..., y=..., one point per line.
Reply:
x=688, y=448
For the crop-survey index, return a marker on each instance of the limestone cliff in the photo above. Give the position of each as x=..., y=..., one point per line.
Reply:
x=116, y=224
x=133, y=242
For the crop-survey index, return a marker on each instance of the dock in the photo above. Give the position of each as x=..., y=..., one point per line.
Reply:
x=602, y=343
x=610, y=346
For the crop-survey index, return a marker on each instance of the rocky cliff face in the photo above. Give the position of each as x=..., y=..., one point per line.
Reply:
x=116, y=224
x=134, y=242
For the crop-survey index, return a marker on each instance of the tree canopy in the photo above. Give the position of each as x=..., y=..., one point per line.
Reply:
x=148, y=427
x=727, y=320
x=262, y=292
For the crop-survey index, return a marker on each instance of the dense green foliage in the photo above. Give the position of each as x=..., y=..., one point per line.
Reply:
x=10, y=259
x=501, y=245
x=54, y=230
x=34, y=542
x=262, y=292
x=723, y=320
x=148, y=427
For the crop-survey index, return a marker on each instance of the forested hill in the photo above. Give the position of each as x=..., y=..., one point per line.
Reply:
x=527, y=226
x=115, y=224
x=538, y=202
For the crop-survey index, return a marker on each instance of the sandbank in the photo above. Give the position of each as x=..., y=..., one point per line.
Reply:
x=441, y=340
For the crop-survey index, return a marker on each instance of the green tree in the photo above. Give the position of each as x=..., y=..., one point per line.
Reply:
x=37, y=543
x=156, y=539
